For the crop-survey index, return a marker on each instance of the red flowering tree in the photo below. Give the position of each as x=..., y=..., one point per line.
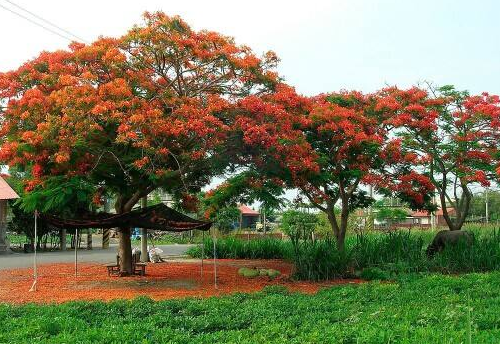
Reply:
x=452, y=137
x=129, y=115
x=327, y=147
x=351, y=142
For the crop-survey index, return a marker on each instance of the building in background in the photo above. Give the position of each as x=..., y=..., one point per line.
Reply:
x=6, y=193
x=248, y=217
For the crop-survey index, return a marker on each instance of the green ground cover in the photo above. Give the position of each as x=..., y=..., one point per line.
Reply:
x=415, y=309
x=373, y=255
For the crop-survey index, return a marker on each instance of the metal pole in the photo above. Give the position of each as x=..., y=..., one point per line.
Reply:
x=215, y=260
x=76, y=253
x=202, y=251
x=35, y=271
x=487, y=210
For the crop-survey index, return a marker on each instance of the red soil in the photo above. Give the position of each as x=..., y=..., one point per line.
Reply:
x=57, y=283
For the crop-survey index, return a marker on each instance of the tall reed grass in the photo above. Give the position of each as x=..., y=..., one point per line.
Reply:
x=372, y=255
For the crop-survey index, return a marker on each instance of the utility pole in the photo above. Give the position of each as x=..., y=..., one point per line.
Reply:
x=486, y=205
x=433, y=215
x=370, y=221
x=264, y=219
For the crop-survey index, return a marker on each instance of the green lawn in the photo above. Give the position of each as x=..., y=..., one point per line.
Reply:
x=419, y=309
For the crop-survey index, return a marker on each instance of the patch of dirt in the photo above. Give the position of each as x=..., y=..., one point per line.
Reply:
x=57, y=282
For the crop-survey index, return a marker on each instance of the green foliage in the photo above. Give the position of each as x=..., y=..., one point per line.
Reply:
x=298, y=224
x=225, y=218
x=478, y=208
x=241, y=188
x=427, y=309
x=232, y=248
x=390, y=214
x=59, y=195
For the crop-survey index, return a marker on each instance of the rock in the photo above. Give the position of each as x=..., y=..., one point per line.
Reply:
x=448, y=238
x=263, y=272
x=246, y=272
x=273, y=273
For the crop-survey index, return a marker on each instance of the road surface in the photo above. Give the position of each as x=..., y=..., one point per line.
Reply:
x=96, y=255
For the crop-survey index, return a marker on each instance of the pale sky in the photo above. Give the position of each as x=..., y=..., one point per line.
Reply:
x=324, y=45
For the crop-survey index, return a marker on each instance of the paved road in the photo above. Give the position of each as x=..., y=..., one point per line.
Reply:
x=97, y=255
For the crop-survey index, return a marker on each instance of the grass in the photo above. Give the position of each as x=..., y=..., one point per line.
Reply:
x=416, y=309
x=172, y=238
x=374, y=255
x=233, y=248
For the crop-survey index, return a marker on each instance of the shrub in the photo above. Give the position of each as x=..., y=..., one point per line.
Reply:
x=232, y=248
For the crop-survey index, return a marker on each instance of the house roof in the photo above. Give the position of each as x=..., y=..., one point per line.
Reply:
x=6, y=191
x=439, y=212
x=246, y=210
x=420, y=213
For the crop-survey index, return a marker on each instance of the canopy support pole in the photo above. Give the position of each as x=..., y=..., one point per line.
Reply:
x=76, y=253
x=35, y=271
x=215, y=259
x=202, y=254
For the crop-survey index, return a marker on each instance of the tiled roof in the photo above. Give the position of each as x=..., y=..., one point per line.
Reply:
x=439, y=212
x=6, y=191
x=246, y=210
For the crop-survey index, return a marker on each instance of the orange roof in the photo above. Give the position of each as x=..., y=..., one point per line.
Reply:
x=246, y=210
x=420, y=213
x=439, y=212
x=6, y=191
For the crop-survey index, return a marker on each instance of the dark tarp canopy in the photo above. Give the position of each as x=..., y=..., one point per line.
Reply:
x=158, y=217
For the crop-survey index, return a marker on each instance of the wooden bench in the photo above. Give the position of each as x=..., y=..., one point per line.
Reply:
x=114, y=268
x=138, y=268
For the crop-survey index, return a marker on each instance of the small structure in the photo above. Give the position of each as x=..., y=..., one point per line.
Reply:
x=6, y=193
x=248, y=217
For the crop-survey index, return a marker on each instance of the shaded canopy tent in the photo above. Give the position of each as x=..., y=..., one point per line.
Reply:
x=156, y=217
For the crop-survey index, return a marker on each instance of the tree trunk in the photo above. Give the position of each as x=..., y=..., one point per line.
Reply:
x=339, y=231
x=124, y=243
x=460, y=214
x=125, y=251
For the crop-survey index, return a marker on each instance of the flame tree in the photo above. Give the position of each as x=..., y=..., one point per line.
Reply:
x=453, y=138
x=129, y=115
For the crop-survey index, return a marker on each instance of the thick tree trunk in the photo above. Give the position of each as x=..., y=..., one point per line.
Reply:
x=125, y=251
x=124, y=243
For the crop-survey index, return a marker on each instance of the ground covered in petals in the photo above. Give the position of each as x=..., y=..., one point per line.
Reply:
x=57, y=282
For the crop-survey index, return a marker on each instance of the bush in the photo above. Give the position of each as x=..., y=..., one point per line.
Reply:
x=232, y=248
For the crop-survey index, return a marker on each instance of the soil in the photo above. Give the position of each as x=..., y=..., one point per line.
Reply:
x=57, y=282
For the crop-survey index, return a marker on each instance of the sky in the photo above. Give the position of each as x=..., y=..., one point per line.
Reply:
x=324, y=46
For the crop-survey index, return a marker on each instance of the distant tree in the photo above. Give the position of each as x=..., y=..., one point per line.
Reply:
x=389, y=214
x=478, y=205
x=298, y=224
x=225, y=218
x=451, y=137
